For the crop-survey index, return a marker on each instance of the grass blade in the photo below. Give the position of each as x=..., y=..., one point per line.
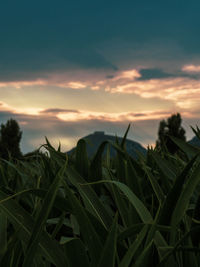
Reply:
x=76, y=253
x=91, y=198
x=107, y=258
x=23, y=221
x=41, y=218
x=82, y=164
x=133, y=248
x=88, y=232
x=185, y=195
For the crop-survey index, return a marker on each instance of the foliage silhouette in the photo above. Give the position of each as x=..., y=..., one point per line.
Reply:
x=10, y=136
x=171, y=127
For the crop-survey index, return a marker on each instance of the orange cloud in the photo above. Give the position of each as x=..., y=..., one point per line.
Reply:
x=27, y=111
x=184, y=92
x=115, y=117
x=20, y=84
x=191, y=68
x=76, y=80
x=128, y=74
x=73, y=85
x=86, y=115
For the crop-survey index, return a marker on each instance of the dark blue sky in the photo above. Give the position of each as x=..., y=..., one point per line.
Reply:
x=52, y=35
x=147, y=52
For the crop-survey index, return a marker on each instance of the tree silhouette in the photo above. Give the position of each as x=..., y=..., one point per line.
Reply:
x=171, y=127
x=10, y=136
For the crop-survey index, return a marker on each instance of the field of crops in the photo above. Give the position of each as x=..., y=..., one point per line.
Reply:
x=71, y=211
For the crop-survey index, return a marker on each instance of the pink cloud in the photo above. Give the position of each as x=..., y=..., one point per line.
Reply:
x=20, y=84
x=76, y=79
x=128, y=74
x=115, y=117
x=44, y=82
x=191, y=68
x=73, y=85
x=184, y=92
x=27, y=111
x=86, y=115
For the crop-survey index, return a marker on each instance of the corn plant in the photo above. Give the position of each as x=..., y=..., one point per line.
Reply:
x=60, y=210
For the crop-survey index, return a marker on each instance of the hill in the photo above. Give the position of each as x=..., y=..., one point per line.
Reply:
x=194, y=141
x=94, y=140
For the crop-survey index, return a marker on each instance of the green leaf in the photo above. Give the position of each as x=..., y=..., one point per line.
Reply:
x=87, y=230
x=142, y=211
x=96, y=164
x=123, y=142
x=3, y=233
x=189, y=150
x=120, y=202
x=24, y=222
x=82, y=164
x=174, y=194
x=130, y=231
x=41, y=218
x=88, y=194
x=160, y=242
x=144, y=258
x=108, y=255
x=155, y=185
x=133, y=248
x=133, y=180
x=172, y=249
x=185, y=195
x=196, y=131
x=58, y=225
x=164, y=167
x=76, y=253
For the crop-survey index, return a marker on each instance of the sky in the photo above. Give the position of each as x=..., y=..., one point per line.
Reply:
x=69, y=68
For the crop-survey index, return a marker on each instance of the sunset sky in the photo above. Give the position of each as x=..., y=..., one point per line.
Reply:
x=69, y=68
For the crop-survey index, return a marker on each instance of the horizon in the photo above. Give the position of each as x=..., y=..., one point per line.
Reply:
x=57, y=142
x=70, y=68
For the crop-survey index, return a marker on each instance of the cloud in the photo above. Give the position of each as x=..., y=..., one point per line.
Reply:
x=127, y=75
x=76, y=115
x=110, y=117
x=67, y=126
x=191, y=68
x=74, y=79
x=183, y=91
x=29, y=111
x=55, y=111
x=75, y=85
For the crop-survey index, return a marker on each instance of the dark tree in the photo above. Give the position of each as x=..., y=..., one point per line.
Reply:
x=171, y=127
x=10, y=136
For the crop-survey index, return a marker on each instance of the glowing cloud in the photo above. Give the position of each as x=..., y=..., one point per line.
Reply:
x=76, y=80
x=73, y=85
x=44, y=82
x=20, y=84
x=191, y=68
x=85, y=115
x=27, y=111
x=184, y=92
x=113, y=117
x=128, y=74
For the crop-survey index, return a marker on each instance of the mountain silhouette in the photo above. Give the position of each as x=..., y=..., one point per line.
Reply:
x=94, y=140
x=194, y=141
